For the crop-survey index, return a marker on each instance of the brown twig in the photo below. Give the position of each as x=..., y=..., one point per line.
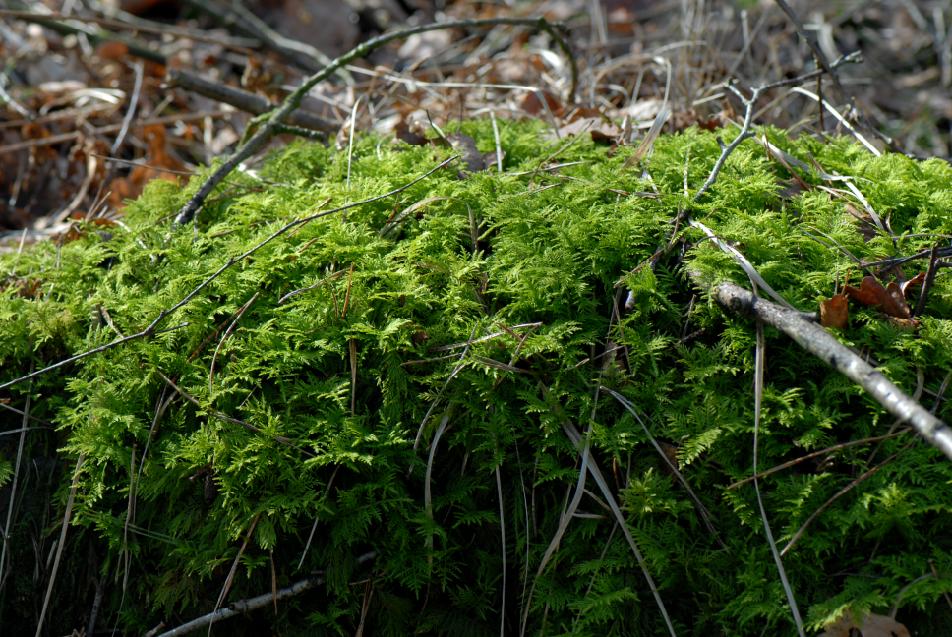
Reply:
x=826, y=505
x=929, y=280
x=111, y=128
x=814, y=454
x=234, y=15
x=140, y=25
x=97, y=36
x=277, y=117
x=244, y=100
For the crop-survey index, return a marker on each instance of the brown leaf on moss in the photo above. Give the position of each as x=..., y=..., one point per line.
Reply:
x=889, y=299
x=871, y=625
x=835, y=312
x=602, y=130
x=915, y=281
x=532, y=104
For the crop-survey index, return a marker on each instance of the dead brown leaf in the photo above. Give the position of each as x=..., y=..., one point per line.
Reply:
x=603, y=131
x=872, y=293
x=872, y=625
x=915, y=281
x=532, y=103
x=835, y=312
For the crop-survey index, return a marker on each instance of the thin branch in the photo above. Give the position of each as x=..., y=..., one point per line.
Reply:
x=278, y=116
x=824, y=346
x=152, y=328
x=244, y=100
x=138, y=25
x=833, y=498
x=749, y=107
x=929, y=280
x=814, y=454
x=58, y=23
x=235, y=15
x=246, y=605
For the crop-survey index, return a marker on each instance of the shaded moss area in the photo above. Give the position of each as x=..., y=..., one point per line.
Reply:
x=398, y=379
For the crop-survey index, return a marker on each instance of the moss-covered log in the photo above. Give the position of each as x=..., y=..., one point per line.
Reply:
x=377, y=401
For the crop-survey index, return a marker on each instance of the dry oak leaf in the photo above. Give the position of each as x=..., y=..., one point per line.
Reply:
x=871, y=625
x=889, y=299
x=835, y=312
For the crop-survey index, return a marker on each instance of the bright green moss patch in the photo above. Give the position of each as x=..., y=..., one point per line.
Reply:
x=397, y=379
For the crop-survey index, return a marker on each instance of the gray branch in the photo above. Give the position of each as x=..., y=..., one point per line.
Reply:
x=816, y=340
x=245, y=605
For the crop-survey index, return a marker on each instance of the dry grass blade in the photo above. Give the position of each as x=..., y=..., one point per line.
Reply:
x=705, y=514
x=7, y=527
x=502, y=533
x=758, y=399
x=60, y=543
x=589, y=466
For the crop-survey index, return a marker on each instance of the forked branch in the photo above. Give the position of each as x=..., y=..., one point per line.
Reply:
x=272, y=123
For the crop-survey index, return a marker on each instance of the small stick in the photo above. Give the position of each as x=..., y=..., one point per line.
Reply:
x=824, y=346
x=267, y=128
x=244, y=100
x=298, y=53
x=97, y=36
x=814, y=454
x=929, y=280
x=833, y=498
x=246, y=605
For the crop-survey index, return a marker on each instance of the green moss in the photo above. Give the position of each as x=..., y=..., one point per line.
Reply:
x=288, y=394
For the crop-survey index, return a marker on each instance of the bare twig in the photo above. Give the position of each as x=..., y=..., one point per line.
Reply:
x=66, y=25
x=298, y=53
x=110, y=128
x=749, y=107
x=929, y=280
x=246, y=605
x=244, y=100
x=152, y=328
x=821, y=344
x=138, y=25
x=277, y=117
x=829, y=502
x=827, y=67
x=814, y=454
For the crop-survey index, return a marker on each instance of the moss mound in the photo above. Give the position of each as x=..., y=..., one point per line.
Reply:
x=383, y=400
